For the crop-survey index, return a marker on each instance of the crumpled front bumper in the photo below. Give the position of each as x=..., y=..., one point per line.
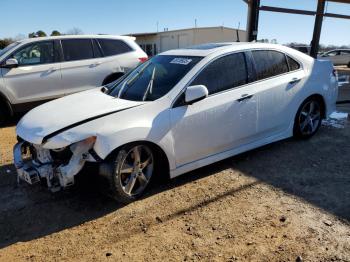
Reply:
x=41, y=164
x=25, y=171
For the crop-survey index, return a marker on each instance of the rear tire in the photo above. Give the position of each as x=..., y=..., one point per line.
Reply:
x=308, y=118
x=349, y=64
x=131, y=170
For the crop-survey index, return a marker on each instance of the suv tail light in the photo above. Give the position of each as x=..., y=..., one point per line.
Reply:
x=143, y=59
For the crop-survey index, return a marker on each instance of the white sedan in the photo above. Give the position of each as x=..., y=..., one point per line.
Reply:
x=181, y=110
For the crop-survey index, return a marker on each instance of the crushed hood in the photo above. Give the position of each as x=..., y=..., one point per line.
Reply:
x=68, y=111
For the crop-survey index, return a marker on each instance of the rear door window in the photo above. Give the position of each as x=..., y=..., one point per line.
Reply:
x=112, y=47
x=269, y=63
x=77, y=49
x=224, y=73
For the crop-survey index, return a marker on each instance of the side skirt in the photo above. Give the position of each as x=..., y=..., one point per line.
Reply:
x=232, y=152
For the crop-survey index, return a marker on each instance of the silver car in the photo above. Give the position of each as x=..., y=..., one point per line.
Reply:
x=337, y=56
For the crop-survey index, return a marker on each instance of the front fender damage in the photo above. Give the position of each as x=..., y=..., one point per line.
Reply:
x=80, y=151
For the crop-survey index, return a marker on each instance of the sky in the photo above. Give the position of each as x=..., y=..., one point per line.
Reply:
x=20, y=17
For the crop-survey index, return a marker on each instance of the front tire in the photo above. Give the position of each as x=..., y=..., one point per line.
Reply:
x=132, y=168
x=308, y=118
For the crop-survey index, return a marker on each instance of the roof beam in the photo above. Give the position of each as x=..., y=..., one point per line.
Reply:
x=340, y=1
x=286, y=10
x=337, y=16
x=300, y=12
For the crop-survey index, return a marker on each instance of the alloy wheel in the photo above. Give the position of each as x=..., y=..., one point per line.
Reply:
x=136, y=170
x=309, y=118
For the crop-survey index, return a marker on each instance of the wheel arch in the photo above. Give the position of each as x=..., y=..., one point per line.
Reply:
x=322, y=101
x=5, y=101
x=158, y=150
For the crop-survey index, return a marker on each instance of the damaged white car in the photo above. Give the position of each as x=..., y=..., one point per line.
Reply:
x=181, y=110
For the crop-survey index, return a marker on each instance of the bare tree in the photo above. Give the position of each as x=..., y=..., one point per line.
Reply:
x=75, y=31
x=19, y=37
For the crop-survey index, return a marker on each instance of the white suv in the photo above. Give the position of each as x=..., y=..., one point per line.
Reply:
x=36, y=70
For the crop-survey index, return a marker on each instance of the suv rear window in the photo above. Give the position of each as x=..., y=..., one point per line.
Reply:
x=114, y=47
x=77, y=49
x=269, y=63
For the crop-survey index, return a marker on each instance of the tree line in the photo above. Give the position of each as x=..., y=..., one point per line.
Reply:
x=40, y=33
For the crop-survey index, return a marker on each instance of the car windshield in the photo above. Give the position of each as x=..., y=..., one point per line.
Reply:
x=9, y=47
x=154, y=78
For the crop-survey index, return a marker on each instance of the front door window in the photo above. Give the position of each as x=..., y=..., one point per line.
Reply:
x=35, y=54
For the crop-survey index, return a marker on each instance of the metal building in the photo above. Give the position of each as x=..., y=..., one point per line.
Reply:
x=157, y=42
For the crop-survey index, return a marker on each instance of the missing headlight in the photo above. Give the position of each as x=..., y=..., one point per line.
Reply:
x=61, y=156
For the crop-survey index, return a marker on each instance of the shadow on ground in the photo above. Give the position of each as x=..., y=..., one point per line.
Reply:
x=315, y=170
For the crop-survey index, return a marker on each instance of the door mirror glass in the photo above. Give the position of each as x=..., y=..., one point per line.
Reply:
x=11, y=63
x=195, y=93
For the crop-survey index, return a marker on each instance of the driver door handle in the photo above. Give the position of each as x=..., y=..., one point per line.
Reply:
x=294, y=80
x=244, y=97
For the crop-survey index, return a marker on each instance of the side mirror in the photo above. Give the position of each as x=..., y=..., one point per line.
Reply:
x=195, y=93
x=10, y=63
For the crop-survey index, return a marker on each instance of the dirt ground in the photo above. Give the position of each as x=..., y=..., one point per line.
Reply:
x=289, y=201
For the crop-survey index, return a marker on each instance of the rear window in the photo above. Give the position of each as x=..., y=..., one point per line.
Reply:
x=112, y=47
x=77, y=49
x=293, y=65
x=269, y=63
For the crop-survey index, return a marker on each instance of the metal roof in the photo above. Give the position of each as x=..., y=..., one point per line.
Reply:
x=184, y=29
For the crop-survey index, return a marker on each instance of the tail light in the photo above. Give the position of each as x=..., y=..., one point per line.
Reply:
x=143, y=59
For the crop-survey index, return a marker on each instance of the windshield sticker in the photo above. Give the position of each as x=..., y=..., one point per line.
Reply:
x=181, y=61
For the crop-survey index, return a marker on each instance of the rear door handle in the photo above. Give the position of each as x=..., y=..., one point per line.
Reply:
x=244, y=97
x=52, y=69
x=294, y=80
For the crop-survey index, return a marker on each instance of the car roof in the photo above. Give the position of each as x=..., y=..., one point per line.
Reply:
x=211, y=48
x=30, y=40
